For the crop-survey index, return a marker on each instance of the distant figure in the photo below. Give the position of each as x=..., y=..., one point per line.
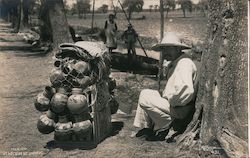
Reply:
x=130, y=37
x=110, y=32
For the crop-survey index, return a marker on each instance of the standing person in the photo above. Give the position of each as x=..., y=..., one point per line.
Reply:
x=110, y=32
x=130, y=37
x=156, y=111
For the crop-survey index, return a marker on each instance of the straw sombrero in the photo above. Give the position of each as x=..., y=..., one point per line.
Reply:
x=170, y=39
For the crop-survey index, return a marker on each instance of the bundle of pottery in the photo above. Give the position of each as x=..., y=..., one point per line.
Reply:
x=67, y=102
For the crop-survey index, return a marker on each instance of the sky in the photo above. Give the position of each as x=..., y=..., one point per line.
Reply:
x=99, y=3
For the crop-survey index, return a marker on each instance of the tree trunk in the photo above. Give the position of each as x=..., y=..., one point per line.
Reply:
x=222, y=97
x=17, y=16
x=184, y=12
x=55, y=23
x=25, y=19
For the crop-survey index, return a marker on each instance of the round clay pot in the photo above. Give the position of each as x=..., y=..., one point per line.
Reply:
x=63, y=129
x=83, y=130
x=49, y=92
x=81, y=67
x=57, y=77
x=84, y=82
x=45, y=125
x=77, y=102
x=50, y=114
x=42, y=103
x=59, y=101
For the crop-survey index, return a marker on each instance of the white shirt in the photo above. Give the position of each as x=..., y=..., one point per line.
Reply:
x=180, y=90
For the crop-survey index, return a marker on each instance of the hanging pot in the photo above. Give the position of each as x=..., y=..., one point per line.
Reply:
x=42, y=103
x=59, y=101
x=57, y=77
x=81, y=67
x=85, y=81
x=77, y=102
x=68, y=66
x=45, y=125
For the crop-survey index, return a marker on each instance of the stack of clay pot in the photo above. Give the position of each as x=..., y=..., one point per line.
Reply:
x=66, y=103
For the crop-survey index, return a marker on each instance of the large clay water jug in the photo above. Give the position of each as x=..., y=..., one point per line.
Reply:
x=77, y=102
x=59, y=101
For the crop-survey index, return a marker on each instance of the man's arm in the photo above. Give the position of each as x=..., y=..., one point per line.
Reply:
x=179, y=89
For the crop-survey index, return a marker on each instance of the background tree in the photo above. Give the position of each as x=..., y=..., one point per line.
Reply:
x=10, y=11
x=150, y=8
x=202, y=6
x=133, y=6
x=103, y=8
x=83, y=7
x=220, y=119
x=54, y=26
x=186, y=5
x=156, y=7
x=168, y=5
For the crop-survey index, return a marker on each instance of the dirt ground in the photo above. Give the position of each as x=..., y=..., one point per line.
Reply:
x=23, y=75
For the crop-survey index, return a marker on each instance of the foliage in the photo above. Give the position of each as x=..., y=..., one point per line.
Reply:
x=202, y=6
x=103, y=8
x=150, y=8
x=185, y=5
x=133, y=6
x=83, y=6
x=168, y=5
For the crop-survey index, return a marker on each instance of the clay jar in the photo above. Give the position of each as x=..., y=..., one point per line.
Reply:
x=81, y=67
x=59, y=101
x=45, y=125
x=63, y=129
x=77, y=102
x=57, y=77
x=85, y=81
x=42, y=101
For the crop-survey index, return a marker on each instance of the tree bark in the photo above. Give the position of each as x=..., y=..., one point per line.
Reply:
x=55, y=23
x=222, y=97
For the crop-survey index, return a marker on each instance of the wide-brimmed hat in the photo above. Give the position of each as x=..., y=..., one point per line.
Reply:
x=170, y=39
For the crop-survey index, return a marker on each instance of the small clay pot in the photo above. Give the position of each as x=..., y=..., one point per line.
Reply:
x=42, y=103
x=57, y=77
x=81, y=67
x=45, y=125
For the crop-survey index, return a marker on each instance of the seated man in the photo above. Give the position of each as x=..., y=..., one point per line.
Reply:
x=156, y=111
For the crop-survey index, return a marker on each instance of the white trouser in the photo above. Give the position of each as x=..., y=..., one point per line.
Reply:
x=152, y=110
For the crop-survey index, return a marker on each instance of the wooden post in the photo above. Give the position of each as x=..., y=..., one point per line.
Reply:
x=161, y=36
x=93, y=14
